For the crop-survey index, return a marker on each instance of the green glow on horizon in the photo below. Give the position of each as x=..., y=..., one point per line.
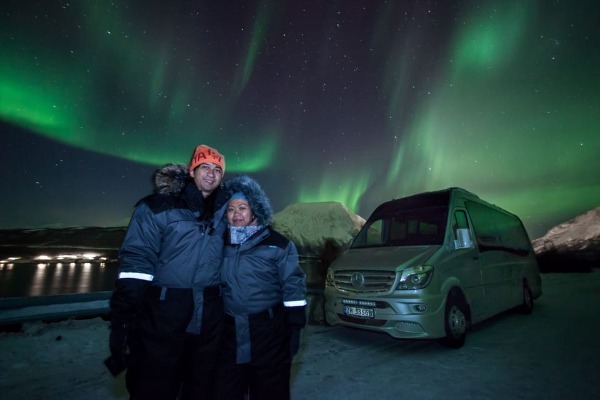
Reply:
x=346, y=190
x=257, y=155
x=561, y=202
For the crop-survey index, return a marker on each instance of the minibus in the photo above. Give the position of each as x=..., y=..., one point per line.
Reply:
x=430, y=265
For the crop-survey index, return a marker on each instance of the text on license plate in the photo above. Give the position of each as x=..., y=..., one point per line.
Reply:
x=359, y=312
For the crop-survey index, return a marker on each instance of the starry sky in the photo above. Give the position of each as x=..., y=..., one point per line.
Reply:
x=341, y=100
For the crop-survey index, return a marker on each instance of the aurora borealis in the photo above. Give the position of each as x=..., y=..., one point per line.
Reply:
x=350, y=101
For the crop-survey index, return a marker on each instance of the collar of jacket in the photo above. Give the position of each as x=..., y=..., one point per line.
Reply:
x=193, y=197
x=170, y=179
x=253, y=240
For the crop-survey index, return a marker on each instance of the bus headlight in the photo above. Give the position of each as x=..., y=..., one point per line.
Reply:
x=415, y=277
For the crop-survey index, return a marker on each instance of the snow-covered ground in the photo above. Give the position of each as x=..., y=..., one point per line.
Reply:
x=551, y=354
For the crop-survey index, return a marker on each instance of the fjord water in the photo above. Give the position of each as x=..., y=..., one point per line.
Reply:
x=53, y=278
x=48, y=278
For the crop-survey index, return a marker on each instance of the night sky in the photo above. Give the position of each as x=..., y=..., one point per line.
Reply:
x=350, y=101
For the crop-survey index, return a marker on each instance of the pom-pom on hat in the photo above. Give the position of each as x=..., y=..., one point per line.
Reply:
x=206, y=154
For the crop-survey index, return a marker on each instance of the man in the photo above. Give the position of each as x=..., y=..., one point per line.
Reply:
x=167, y=305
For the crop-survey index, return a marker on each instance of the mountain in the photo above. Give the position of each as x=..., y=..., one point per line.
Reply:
x=94, y=237
x=319, y=230
x=27, y=243
x=571, y=246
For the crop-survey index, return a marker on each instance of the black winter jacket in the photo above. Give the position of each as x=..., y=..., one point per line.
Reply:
x=174, y=240
x=261, y=273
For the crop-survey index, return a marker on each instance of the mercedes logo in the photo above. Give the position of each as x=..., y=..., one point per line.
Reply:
x=358, y=280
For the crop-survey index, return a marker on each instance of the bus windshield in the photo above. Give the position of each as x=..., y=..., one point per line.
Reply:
x=412, y=227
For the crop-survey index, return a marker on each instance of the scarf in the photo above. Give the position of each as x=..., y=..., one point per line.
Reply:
x=239, y=234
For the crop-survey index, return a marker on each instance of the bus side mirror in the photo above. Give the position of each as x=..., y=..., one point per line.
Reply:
x=463, y=240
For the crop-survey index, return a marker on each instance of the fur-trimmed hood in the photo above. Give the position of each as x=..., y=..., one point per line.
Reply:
x=256, y=197
x=170, y=179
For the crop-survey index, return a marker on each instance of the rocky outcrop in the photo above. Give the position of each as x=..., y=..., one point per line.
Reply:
x=318, y=229
x=573, y=246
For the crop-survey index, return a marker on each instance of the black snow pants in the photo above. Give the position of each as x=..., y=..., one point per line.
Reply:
x=267, y=375
x=167, y=362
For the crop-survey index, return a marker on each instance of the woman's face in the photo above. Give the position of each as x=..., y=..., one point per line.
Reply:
x=239, y=213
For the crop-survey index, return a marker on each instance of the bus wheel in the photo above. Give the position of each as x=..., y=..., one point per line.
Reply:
x=455, y=322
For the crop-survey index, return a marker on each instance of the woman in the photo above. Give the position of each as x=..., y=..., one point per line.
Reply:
x=264, y=298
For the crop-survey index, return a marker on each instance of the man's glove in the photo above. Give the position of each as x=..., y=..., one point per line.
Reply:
x=118, y=360
x=124, y=305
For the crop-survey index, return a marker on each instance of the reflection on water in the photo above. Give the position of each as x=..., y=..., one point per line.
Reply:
x=46, y=275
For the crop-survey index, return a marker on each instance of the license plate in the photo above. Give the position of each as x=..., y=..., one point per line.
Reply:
x=359, y=312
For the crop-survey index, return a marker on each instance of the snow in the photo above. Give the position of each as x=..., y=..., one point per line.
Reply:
x=551, y=354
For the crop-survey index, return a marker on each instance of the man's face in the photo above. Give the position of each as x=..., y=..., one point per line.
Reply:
x=207, y=177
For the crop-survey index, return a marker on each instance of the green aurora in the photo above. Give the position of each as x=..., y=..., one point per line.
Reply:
x=365, y=104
